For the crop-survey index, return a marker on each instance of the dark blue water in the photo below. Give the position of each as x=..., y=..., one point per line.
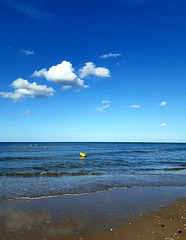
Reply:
x=33, y=171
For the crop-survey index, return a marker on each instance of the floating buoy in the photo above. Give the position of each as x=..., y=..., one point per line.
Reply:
x=45, y=147
x=83, y=154
x=30, y=145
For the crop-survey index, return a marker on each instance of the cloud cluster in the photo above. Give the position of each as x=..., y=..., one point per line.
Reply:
x=25, y=89
x=104, y=107
x=91, y=69
x=110, y=55
x=27, y=52
x=163, y=104
x=62, y=74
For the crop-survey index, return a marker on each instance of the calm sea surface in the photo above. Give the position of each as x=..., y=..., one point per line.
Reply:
x=33, y=171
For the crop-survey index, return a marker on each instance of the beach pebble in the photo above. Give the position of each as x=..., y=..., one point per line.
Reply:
x=130, y=223
x=179, y=231
x=111, y=229
x=163, y=225
x=171, y=219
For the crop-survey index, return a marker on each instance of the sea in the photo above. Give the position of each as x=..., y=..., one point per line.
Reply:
x=42, y=170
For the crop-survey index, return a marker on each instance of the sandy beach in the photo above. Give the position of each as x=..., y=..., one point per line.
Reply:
x=136, y=213
x=168, y=223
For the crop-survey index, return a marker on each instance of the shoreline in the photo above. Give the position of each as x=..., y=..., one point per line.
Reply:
x=83, y=216
x=90, y=193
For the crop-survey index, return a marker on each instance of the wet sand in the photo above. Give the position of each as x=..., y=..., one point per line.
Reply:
x=136, y=213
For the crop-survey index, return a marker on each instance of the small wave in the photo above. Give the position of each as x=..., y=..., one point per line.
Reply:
x=174, y=169
x=14, y=158
x=134, y=151
x=21, y=158
x=95, y=192
x=149, y=169
x=49, y=174
x=173, y=149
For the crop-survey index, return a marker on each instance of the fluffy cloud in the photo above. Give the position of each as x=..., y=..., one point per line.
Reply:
x=13, y=95
x=26, y=113
x=62, y=74
x=91, y=69
x=163, y=104
x=135, y=106
x=110, y=55
x=27, y=52
x=163, y=125
x=25, y=89
x=106, y=101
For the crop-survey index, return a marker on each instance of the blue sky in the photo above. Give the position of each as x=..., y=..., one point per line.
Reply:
x=93, y=70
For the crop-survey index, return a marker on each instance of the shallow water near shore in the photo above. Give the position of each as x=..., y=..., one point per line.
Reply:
x=28, y=170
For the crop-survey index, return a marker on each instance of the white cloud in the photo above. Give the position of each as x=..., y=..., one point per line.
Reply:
x=25, y=89
x=100, y=109
x=106, y=106
x=135, y=106
x=27, y=52
x=106, y=101
x=110, y=55
x=103, y=107
x=163, y=104
x=91, y=69
x=62, y=74
x=163, y=125
x=180, y=138
x=26, y=113
x=13, y=95
x=27, y=9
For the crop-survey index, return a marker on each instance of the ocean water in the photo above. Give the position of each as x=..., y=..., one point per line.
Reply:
x=31, y=171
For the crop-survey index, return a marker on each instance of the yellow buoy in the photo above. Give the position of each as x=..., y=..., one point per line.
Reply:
x=83, y=154
x=45, y=147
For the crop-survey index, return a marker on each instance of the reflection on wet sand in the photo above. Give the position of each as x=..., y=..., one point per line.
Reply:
x=30, y=223
x=17, y=219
